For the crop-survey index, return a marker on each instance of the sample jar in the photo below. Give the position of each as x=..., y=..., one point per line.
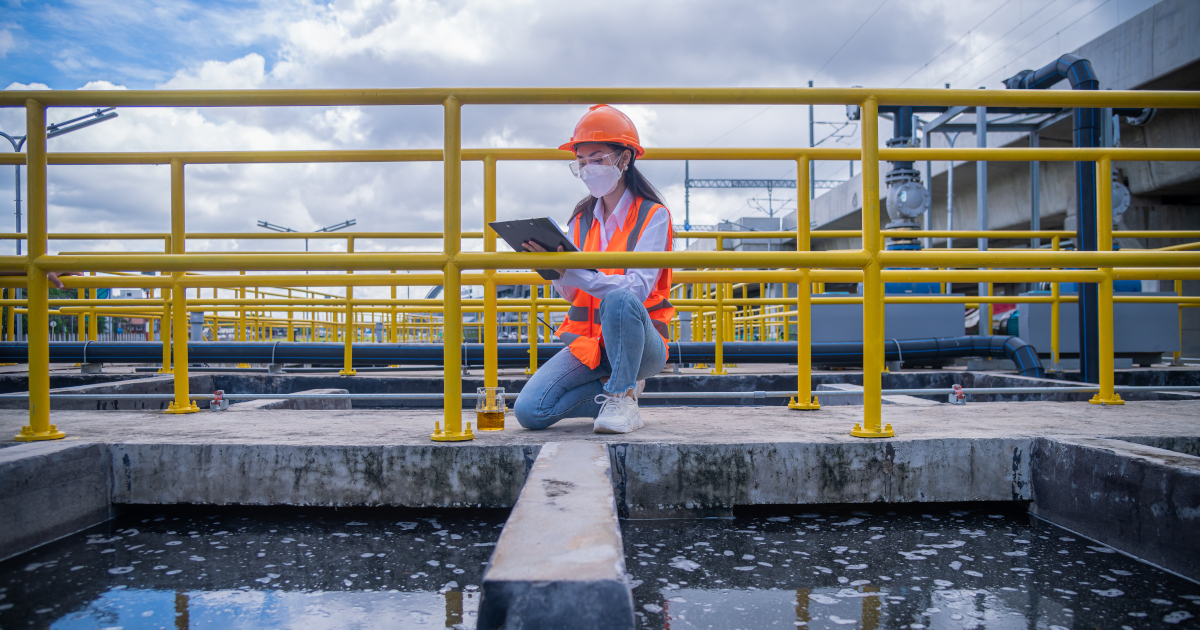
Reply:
x=489, y=408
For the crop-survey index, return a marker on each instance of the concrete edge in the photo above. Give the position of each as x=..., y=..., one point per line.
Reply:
x=1150, y=497
x=49, y=490
x=601, y=604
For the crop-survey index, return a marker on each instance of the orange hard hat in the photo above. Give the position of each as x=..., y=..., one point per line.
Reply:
x=604, y=123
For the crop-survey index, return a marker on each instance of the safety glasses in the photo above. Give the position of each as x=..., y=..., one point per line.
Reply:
x=607, y=160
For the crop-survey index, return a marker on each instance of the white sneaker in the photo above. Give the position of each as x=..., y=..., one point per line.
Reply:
x=618, y=414
x=639, y=388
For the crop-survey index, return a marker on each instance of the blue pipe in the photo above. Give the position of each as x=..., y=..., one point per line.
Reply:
x=1087, y=134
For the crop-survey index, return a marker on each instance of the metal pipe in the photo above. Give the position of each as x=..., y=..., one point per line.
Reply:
x=804, y=399
x=451, y=428
x=1035, y=192
x=490, y=333
x=981, y=210
x=873, y=354
x=39, y=427
x=178, y=325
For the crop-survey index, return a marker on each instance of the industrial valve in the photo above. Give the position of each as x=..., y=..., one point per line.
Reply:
x=958, y=397
x=907, y=198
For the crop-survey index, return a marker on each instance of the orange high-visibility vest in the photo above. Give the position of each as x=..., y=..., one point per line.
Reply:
x=581, y=330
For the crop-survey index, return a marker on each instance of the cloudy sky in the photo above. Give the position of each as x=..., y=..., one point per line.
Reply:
x=146, y=44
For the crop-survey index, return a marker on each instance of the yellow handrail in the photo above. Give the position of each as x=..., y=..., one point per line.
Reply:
x=452, y=267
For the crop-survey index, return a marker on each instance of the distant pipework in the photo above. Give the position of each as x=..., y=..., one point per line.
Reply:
x=907, y=197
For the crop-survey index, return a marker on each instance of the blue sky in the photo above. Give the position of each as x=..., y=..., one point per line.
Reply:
x=134, y=43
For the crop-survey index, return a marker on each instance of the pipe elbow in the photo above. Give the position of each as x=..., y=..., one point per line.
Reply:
x=1071, y=67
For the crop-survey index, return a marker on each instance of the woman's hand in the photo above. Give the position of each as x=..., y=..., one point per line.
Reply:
x=531, y=246
x=53, y=277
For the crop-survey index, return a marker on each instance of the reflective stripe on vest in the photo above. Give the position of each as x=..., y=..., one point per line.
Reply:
x=580, y=314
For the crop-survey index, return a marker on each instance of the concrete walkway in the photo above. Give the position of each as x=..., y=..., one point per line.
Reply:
x=682, y=425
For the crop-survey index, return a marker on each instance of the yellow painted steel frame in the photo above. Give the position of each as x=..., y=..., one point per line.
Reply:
x=39, y=427
x=804, y=267
x=177, y=326
x=804, y=399
x=872, y=243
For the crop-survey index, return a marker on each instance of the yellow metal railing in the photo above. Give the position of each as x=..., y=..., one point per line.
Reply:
x=452, y=267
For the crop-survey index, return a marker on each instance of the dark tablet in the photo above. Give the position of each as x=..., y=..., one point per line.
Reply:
x=542, y=231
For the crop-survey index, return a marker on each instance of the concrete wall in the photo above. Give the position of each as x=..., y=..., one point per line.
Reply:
x=658, y=478
x=286, y=474
x=1149, y=498
x=51, y=489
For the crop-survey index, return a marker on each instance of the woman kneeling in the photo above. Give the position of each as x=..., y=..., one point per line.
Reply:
x=616, y=329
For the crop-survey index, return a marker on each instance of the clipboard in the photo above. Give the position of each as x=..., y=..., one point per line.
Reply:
x=542, y=231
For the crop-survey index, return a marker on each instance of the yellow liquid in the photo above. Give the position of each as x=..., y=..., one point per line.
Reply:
x=489, y=420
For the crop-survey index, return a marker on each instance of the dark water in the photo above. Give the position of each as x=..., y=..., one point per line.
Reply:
x=944, y=568
x=282, y=568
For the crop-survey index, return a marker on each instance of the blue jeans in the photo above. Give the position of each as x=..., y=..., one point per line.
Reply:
x=566, y=388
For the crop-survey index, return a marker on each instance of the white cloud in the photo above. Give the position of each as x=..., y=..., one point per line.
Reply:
x=7, y=42
x=246, y=73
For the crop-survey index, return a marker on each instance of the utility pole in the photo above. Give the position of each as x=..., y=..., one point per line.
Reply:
x=812, y=164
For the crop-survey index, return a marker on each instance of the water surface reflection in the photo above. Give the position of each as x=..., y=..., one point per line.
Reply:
x=257, y=568
x=941, y=567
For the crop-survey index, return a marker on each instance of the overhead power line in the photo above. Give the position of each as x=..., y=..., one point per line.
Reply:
x=839, y=50
x=959, y=41
x=1056, y=34
x=1010, y=46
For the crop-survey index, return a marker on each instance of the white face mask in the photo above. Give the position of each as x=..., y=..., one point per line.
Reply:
x=600, y=179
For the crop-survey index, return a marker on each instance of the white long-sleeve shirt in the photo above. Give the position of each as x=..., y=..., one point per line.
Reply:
x=639, y=281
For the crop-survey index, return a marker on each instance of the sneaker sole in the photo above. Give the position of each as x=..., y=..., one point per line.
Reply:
x=629, y=429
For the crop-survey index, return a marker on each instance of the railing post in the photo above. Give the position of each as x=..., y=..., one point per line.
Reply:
x=490, y=329
x=804, y=398
x=81, y=319
x=351, y=328
x=452, y=429
x=1176, y=359
x=93, y=319
x=719, y=330
x=240, y=333
x=533, y=329
x=393, y=333
x=762, y=310
x=37, y=287
x=179, y=329
x=1054, y=310
x=164, y=326
x=872, y=424
x=1107, y=395
x=10, y=333
x=291, y=326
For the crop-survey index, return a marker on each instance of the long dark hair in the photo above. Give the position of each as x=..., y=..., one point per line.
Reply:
x=635, y=182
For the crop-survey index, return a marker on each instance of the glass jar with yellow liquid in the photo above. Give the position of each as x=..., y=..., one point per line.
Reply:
x=489, y=408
